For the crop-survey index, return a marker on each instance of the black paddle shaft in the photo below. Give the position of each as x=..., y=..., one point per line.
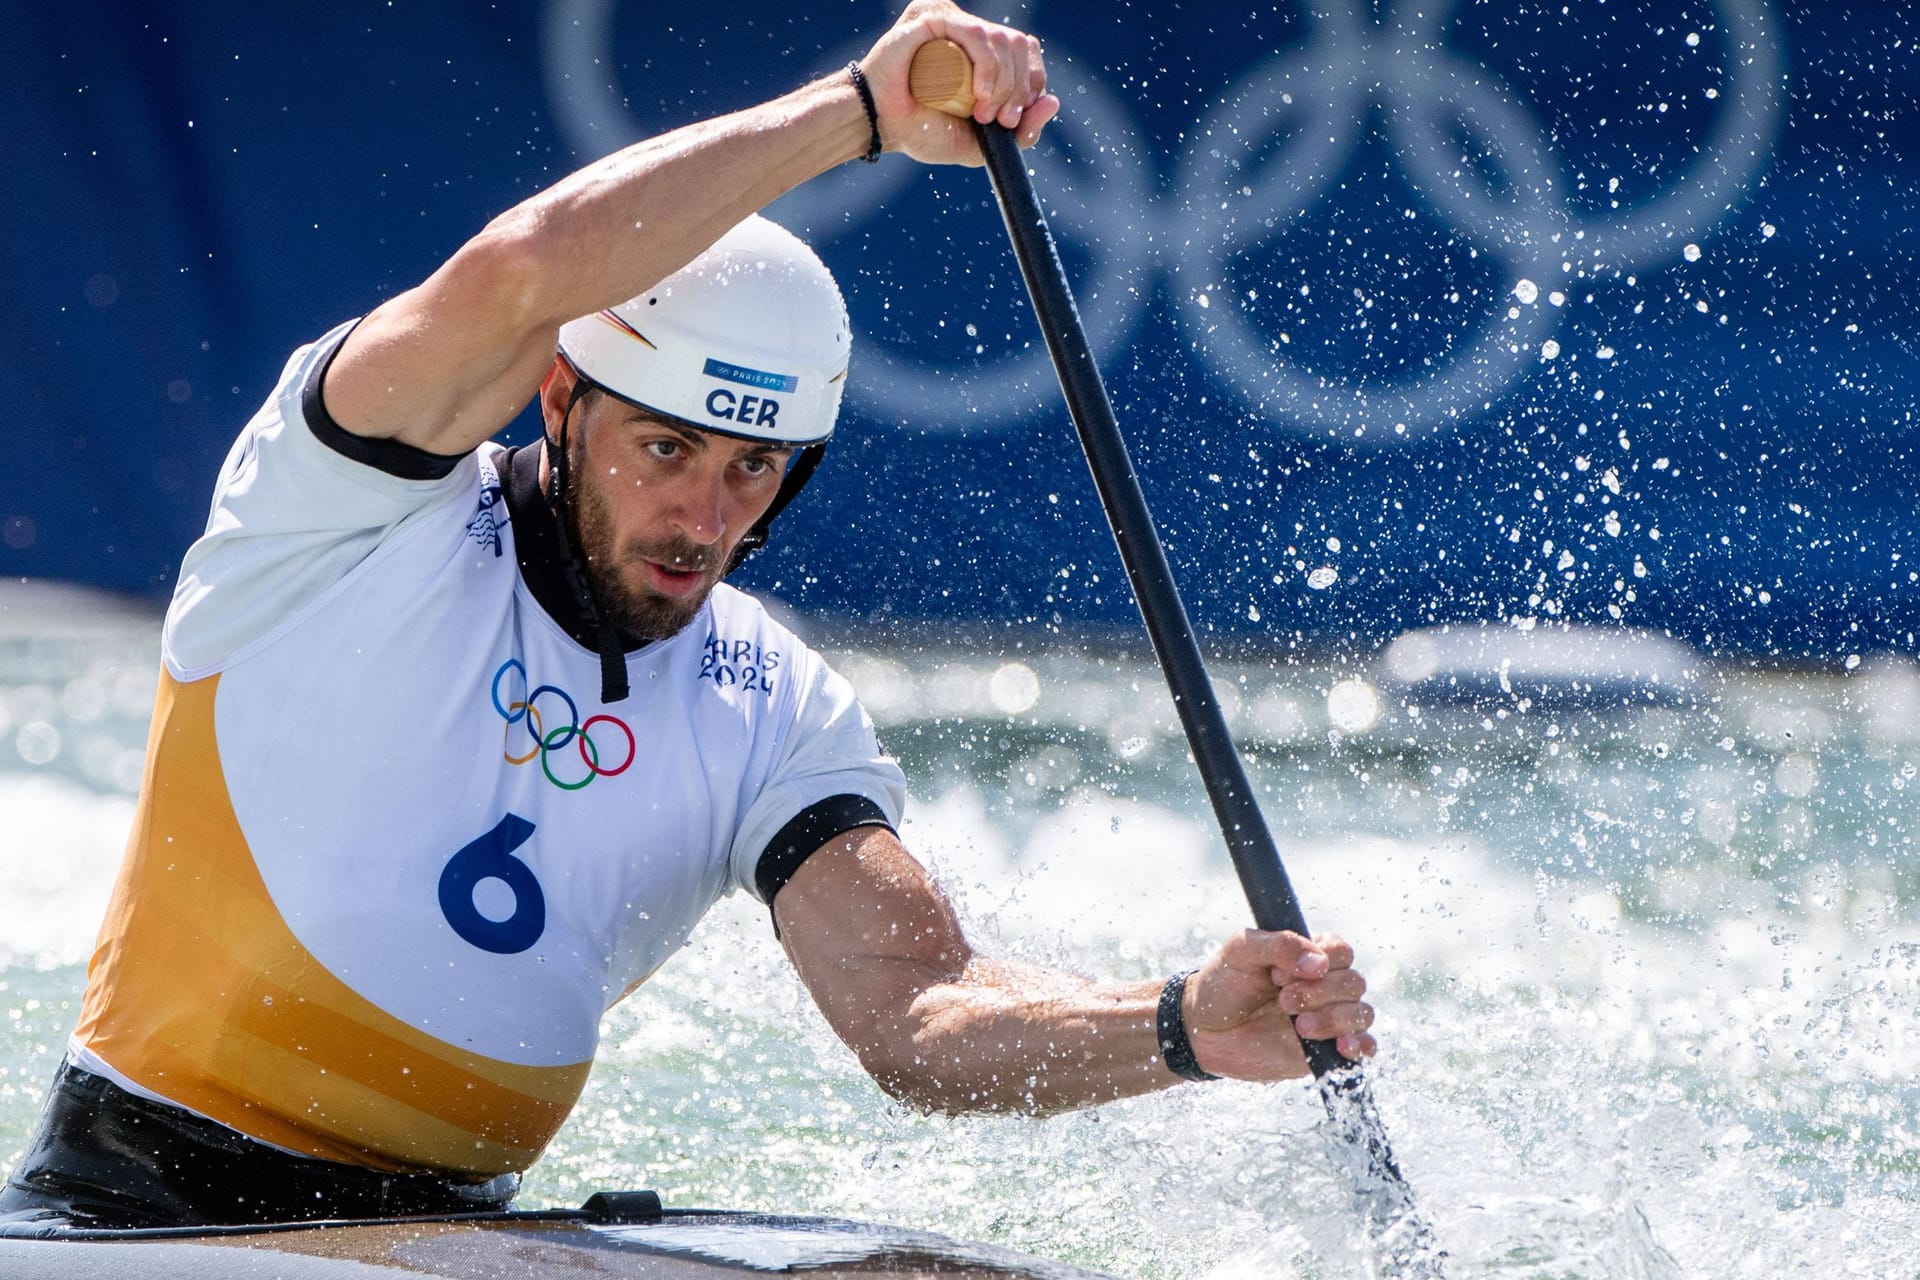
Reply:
x=1255, y=857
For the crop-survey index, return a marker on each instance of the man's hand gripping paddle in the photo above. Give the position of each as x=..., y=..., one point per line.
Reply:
x=941, y=78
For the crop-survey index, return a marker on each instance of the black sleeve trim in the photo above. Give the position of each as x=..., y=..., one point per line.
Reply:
x=404, y=461
x=809, y=829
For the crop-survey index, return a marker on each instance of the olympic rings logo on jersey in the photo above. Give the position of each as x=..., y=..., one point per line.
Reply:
x=1275, y=143
x=541, y=742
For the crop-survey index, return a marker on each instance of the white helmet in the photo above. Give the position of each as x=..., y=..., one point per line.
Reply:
x=749, y=339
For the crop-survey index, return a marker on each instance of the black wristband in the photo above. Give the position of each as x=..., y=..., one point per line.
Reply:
x=1175, y=1049
x=859, y=78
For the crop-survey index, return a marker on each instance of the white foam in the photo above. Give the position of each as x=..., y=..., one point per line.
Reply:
x=59, y=849
x=1576, y=1082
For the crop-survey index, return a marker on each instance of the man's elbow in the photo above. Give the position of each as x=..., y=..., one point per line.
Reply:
x=508, y=268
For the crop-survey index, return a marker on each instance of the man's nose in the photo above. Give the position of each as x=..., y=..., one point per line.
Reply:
x=701, y=514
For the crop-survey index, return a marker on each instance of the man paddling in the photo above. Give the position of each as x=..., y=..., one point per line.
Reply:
x=455, y=744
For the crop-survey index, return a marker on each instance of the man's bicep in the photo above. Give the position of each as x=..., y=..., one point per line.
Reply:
x=868, y=930
x=444, y=365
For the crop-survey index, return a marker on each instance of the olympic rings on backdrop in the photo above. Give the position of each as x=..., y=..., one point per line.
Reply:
x=1280, y=140
x=1269, y=148
x=524, y=711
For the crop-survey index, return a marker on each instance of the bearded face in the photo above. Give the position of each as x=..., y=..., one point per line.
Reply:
x=659, y=509
x=615, y=573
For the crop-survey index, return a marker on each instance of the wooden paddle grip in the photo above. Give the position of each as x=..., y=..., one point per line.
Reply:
x=941, y=77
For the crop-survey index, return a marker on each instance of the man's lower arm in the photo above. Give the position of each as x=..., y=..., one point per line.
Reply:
x=1014, y=1038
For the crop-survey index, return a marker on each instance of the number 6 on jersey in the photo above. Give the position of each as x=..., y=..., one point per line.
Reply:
x=491, y=858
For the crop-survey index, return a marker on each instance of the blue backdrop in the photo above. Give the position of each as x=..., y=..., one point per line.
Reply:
x=1413, y=312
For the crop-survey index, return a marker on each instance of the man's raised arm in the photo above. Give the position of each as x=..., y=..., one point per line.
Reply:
x=453, y=360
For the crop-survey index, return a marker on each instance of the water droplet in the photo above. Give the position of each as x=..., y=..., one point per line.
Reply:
x=1353, y=706
x=1014, y=688
x=37, y=742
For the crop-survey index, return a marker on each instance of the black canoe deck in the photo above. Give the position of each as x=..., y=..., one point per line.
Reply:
x=566, y=1245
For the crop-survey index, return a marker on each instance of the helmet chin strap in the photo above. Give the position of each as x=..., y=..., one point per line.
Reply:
x=790, y=486
x=613, y=658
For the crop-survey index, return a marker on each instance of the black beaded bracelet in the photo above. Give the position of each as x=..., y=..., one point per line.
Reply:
x=1175, y=1049
x=859, y=78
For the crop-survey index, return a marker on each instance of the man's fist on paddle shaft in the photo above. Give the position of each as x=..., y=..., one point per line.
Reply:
x=1250, y=1005
x=1009, y=84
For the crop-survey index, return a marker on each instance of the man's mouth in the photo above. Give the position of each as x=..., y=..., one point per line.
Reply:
x=672, y=579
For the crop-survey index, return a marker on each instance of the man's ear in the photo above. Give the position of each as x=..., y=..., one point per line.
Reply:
x=556, y=391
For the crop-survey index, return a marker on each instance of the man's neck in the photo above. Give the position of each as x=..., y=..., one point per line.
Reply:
x=537, y=545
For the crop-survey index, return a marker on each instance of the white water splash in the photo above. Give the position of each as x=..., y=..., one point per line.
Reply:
x=1700, y=1067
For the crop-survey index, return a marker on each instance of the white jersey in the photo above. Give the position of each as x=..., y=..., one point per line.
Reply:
x=394, y=858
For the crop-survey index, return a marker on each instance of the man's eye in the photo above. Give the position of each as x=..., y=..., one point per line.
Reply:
x=756, y=466
x=664, y=448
